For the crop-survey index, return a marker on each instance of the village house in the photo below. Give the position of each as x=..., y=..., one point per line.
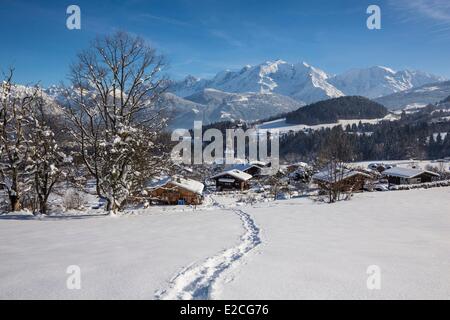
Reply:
x=299, y=172
x=232, y=179
x=399, y=175
x=343, y=180
x=176, y=190
x=297, y=166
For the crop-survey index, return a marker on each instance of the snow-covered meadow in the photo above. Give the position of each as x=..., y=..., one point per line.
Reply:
x=283, y=127
x=288, y=249
x=322, y=251
x=126, y=257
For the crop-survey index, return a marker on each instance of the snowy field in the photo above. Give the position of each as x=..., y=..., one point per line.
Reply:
x=128, y=257
x=283, y=127
x=419, y=164
x=318, y=251
x=290, y=249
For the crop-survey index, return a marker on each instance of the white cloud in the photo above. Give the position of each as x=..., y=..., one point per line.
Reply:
x=145, y=16
x=226, y=37
x=437, y=10
x=435, y=14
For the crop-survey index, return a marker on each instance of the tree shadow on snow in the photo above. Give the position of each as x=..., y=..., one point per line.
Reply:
x=31, y=217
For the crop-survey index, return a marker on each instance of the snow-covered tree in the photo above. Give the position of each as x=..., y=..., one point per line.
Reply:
x=47, y=163
x=15, y=121
x=115, y=84
x=334, y=153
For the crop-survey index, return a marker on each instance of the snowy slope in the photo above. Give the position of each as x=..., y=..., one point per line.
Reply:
x=210, y=105
x=129, y=257
x=244, y=106
x=429, y=93
x=283, y=128
x=380, y=81
x=320, y=251
x=306, y=83
x=181, y=113
x=21, y=91
x=289, y=249
x=299, y=81
x=188, y=86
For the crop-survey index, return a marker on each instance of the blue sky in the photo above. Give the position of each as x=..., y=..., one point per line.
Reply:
x=202, y=37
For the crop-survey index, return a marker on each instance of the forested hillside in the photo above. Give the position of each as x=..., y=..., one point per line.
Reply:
x=389, y=140
x=329, y=111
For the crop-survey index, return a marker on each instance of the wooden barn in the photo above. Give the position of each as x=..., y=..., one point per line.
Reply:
x=232, y=180
x=399, y=175
x=343, y=180
x=177, y=190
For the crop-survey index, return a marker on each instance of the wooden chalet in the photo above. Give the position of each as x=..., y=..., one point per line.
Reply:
x=176, y=190
x=232, y=180
x=399, y=175
x=344, y=180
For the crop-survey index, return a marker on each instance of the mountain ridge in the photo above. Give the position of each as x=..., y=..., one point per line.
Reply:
x=306, y=83
x=416, y=97
x=278, y=87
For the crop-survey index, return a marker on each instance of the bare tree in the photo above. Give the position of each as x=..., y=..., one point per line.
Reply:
x=14, y=139
x=277, y=184
x=116, y=83
x=333, y=155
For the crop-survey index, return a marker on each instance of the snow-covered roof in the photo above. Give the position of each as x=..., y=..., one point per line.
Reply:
x=244, y=166
x=238, y=174
x=187, y=184
x=221, y=161
x=299, y=164
x=326, y=176
x=259, y=163
x=407, y=172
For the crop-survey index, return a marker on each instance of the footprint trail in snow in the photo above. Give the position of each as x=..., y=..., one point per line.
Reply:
x=195, y=281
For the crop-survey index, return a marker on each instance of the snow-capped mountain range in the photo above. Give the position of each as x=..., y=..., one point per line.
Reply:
x=301, y=82
x=380, y=81
x=306, y=83
x=48, y=96
x=272, y=88
x=211, y=105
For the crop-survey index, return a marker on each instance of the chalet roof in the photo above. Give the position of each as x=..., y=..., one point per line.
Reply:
x=298, y=164
x=260, y=163
x=184, y=183
x=326, y=176
x=235, y=173
x=406, y=172
x=244, y=166
x=221, y=161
